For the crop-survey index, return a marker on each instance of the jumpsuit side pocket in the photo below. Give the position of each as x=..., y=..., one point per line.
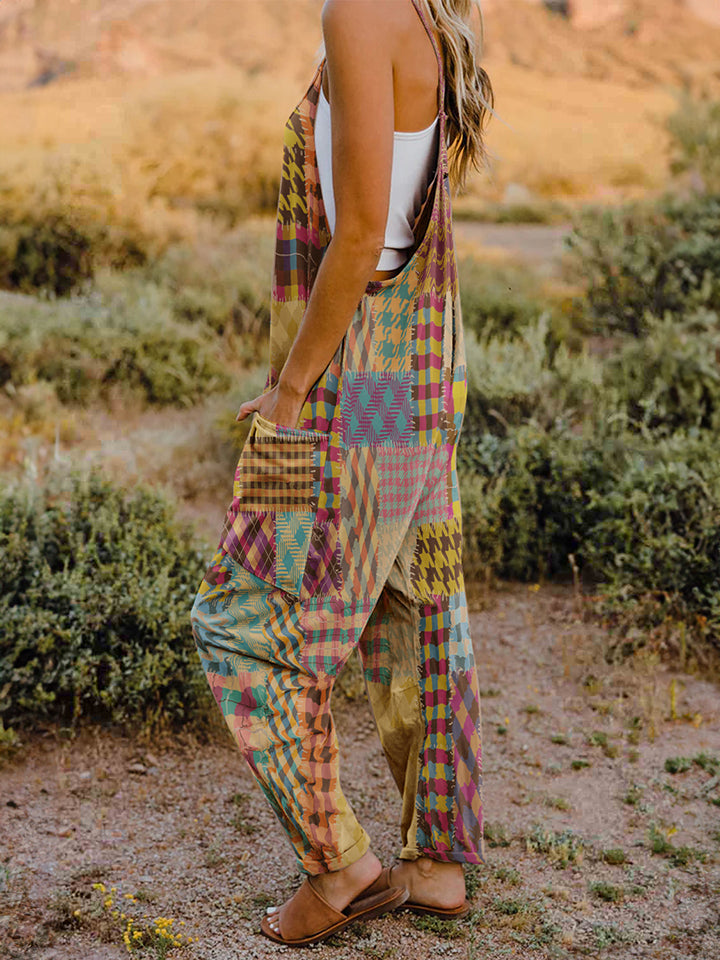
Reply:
x=268, y=527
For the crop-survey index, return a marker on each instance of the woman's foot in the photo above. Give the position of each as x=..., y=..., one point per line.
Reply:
x=340, y=887
x=431, y=883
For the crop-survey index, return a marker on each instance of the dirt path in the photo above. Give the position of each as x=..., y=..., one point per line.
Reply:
x=538, y=244
x=185, y=830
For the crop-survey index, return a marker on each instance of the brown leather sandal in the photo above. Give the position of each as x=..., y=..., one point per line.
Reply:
x=444, y=913
x=308, y=918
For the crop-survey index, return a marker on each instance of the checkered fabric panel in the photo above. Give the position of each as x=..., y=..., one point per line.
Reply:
x=249, y=538
x=359, y=340
x=323, y=571
x=277, y=474
x=393, y=311
x=460, y=653
x=294, y=530
x=401, y=477
x=434, y=796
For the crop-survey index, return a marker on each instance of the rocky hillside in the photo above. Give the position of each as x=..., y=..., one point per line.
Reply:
x=632, y=42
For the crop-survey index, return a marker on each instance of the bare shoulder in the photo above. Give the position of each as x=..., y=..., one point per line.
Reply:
x=377, y=19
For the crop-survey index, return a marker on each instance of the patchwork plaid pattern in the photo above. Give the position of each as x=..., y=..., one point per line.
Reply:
x=332, y=631
x=358, y=528
x=467, y=756
x=359, y=340
x=278, y=475
x=435, y=504
x=460, y=651
x=393, y=333
x=345, y=533
x=437, y=760
x=294, y=530
x=323, y=572
x=376, y=409
x=250, y=539
x=401, y=479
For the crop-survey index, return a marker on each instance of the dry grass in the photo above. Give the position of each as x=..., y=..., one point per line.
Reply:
x=162, y=157
x=588, y=138
x=154, y=159
x=165, y=116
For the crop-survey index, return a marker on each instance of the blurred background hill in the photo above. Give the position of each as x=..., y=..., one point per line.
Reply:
x=635, y=42
x=581, y=87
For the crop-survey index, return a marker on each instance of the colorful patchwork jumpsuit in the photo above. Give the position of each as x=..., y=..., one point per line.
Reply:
x=345, y=533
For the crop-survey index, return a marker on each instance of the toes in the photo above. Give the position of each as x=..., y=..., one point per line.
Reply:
x=271, y=910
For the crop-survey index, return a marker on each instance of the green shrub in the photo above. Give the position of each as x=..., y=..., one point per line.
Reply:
x=694, y=129
x=678, y=764
x=56, y=251
x=498, y=300
x=513, y=380
x=95, y=590
x=531, y=505
x=121, y=336
x=638, y=261
x=225, y=285
x=52, y=256
x=670, y=378
x=655, y=542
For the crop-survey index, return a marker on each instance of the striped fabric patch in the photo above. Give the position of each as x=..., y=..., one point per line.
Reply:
x=277, y=474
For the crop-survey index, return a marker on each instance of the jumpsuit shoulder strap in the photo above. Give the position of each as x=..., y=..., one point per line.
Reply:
x=418, y=4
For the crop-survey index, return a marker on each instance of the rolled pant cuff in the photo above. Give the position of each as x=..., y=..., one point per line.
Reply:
x=339, y=862
x=455, y=856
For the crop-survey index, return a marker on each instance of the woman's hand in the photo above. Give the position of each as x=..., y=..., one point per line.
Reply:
x=277, y=405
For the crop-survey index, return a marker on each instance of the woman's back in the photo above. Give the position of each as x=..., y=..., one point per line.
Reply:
x=415, y=68
x=415, y=151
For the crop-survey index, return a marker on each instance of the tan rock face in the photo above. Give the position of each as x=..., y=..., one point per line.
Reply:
x=708, y=10
x=586, y=14
x=583, y=13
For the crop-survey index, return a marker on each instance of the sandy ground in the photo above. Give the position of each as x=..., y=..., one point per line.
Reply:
x=183, y=829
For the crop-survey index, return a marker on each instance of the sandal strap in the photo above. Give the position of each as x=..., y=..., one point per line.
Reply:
x=307, y=913
x=381, y=884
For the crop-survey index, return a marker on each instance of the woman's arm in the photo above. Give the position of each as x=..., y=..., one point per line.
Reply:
x=359, y=48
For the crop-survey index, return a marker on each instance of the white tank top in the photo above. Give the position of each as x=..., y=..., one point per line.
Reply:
x=413, y=167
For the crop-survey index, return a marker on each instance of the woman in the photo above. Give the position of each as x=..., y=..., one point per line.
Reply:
x=344, y=529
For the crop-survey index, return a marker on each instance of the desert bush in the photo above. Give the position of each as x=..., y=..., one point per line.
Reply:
x=499, y=300
x=655, y=539
x=224, y=284
x=121, y=337
x=529, y=502
x=640, y=261
x=670, y=378
x=694, y=130
x=528, y=376
x=51, y=256
x=171, y=160
x=95, y=590
x=640, y=513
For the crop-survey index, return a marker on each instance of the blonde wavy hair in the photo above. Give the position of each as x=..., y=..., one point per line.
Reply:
x=469, y=96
